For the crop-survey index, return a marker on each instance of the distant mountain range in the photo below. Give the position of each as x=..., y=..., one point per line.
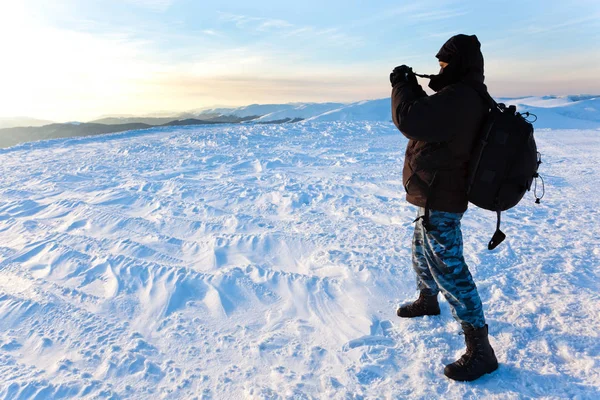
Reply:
x=159, y=121
x=15, y=135
x=22, y=121
x=574, y=111
x=256, y=113
x=12, y=136
x=560, y=112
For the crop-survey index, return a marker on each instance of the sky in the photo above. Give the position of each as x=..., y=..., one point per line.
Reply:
x=67, y=60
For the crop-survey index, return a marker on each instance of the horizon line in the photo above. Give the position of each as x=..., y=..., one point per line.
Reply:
x=170, y=114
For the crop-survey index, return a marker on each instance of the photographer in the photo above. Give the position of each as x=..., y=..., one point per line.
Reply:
x=441, y=130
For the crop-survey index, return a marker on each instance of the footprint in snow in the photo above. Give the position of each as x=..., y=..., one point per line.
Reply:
x=380, y=336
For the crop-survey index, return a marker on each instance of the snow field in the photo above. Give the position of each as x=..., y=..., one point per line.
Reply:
x=268, y=261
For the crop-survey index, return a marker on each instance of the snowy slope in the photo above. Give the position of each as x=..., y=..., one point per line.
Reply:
x=547, y=101
x=301, y=111
x=583, y=114
x=370, y=110
x=274, y=112
x=252, y=261
x=555, y=112
x=249, y=111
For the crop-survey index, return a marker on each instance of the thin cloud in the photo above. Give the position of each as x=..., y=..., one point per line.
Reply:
x=575, y=22
x=242, y=21
x=437, y=15
x=155, y=5
x=331, y=36
x=255, y=23
x=413, y=13
x=274, y=24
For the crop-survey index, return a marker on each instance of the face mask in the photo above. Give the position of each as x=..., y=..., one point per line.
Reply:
x=447, y=76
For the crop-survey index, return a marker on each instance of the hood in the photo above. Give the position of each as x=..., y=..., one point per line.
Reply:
x=463, y=52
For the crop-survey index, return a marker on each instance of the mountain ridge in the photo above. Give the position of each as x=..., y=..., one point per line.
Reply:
x=572, y=111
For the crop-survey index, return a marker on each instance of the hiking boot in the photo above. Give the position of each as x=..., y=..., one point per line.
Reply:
x=478, y=360
x=424, y=305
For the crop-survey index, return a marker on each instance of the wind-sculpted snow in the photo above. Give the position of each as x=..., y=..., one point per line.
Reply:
x=267, y=261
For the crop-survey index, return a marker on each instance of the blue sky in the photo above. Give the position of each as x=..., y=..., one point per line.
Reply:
x=72, y=59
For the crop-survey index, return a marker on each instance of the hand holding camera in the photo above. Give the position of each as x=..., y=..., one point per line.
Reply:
x=403, y=73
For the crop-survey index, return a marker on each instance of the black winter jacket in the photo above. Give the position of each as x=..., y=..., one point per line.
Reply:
x=441, y=130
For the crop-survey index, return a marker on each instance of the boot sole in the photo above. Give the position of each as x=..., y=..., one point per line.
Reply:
x=461, y=379
x=415, y=316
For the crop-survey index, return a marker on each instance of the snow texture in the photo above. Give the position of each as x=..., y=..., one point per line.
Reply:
x=267, y=262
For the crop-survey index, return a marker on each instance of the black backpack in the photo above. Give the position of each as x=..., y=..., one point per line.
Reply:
x=504, y=162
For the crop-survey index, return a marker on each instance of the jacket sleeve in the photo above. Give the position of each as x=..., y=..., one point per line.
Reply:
x=426, y=118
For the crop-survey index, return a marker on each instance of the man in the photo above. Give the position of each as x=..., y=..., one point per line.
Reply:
x=442, y=129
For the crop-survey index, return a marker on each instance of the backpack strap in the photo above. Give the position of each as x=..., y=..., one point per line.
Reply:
x=474, y=163
x=481, y=89
x=425, y=217
x=499, y=236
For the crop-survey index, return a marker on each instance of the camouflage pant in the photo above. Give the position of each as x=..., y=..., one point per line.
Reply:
x=438, y=261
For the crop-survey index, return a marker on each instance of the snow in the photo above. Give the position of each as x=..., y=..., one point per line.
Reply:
x=267, y=261
x=273, y=112
x=553, y=112
x=301, y=111
x=373, y=110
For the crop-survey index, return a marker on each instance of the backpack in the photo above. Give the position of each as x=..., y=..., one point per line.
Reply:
x=504, y=162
